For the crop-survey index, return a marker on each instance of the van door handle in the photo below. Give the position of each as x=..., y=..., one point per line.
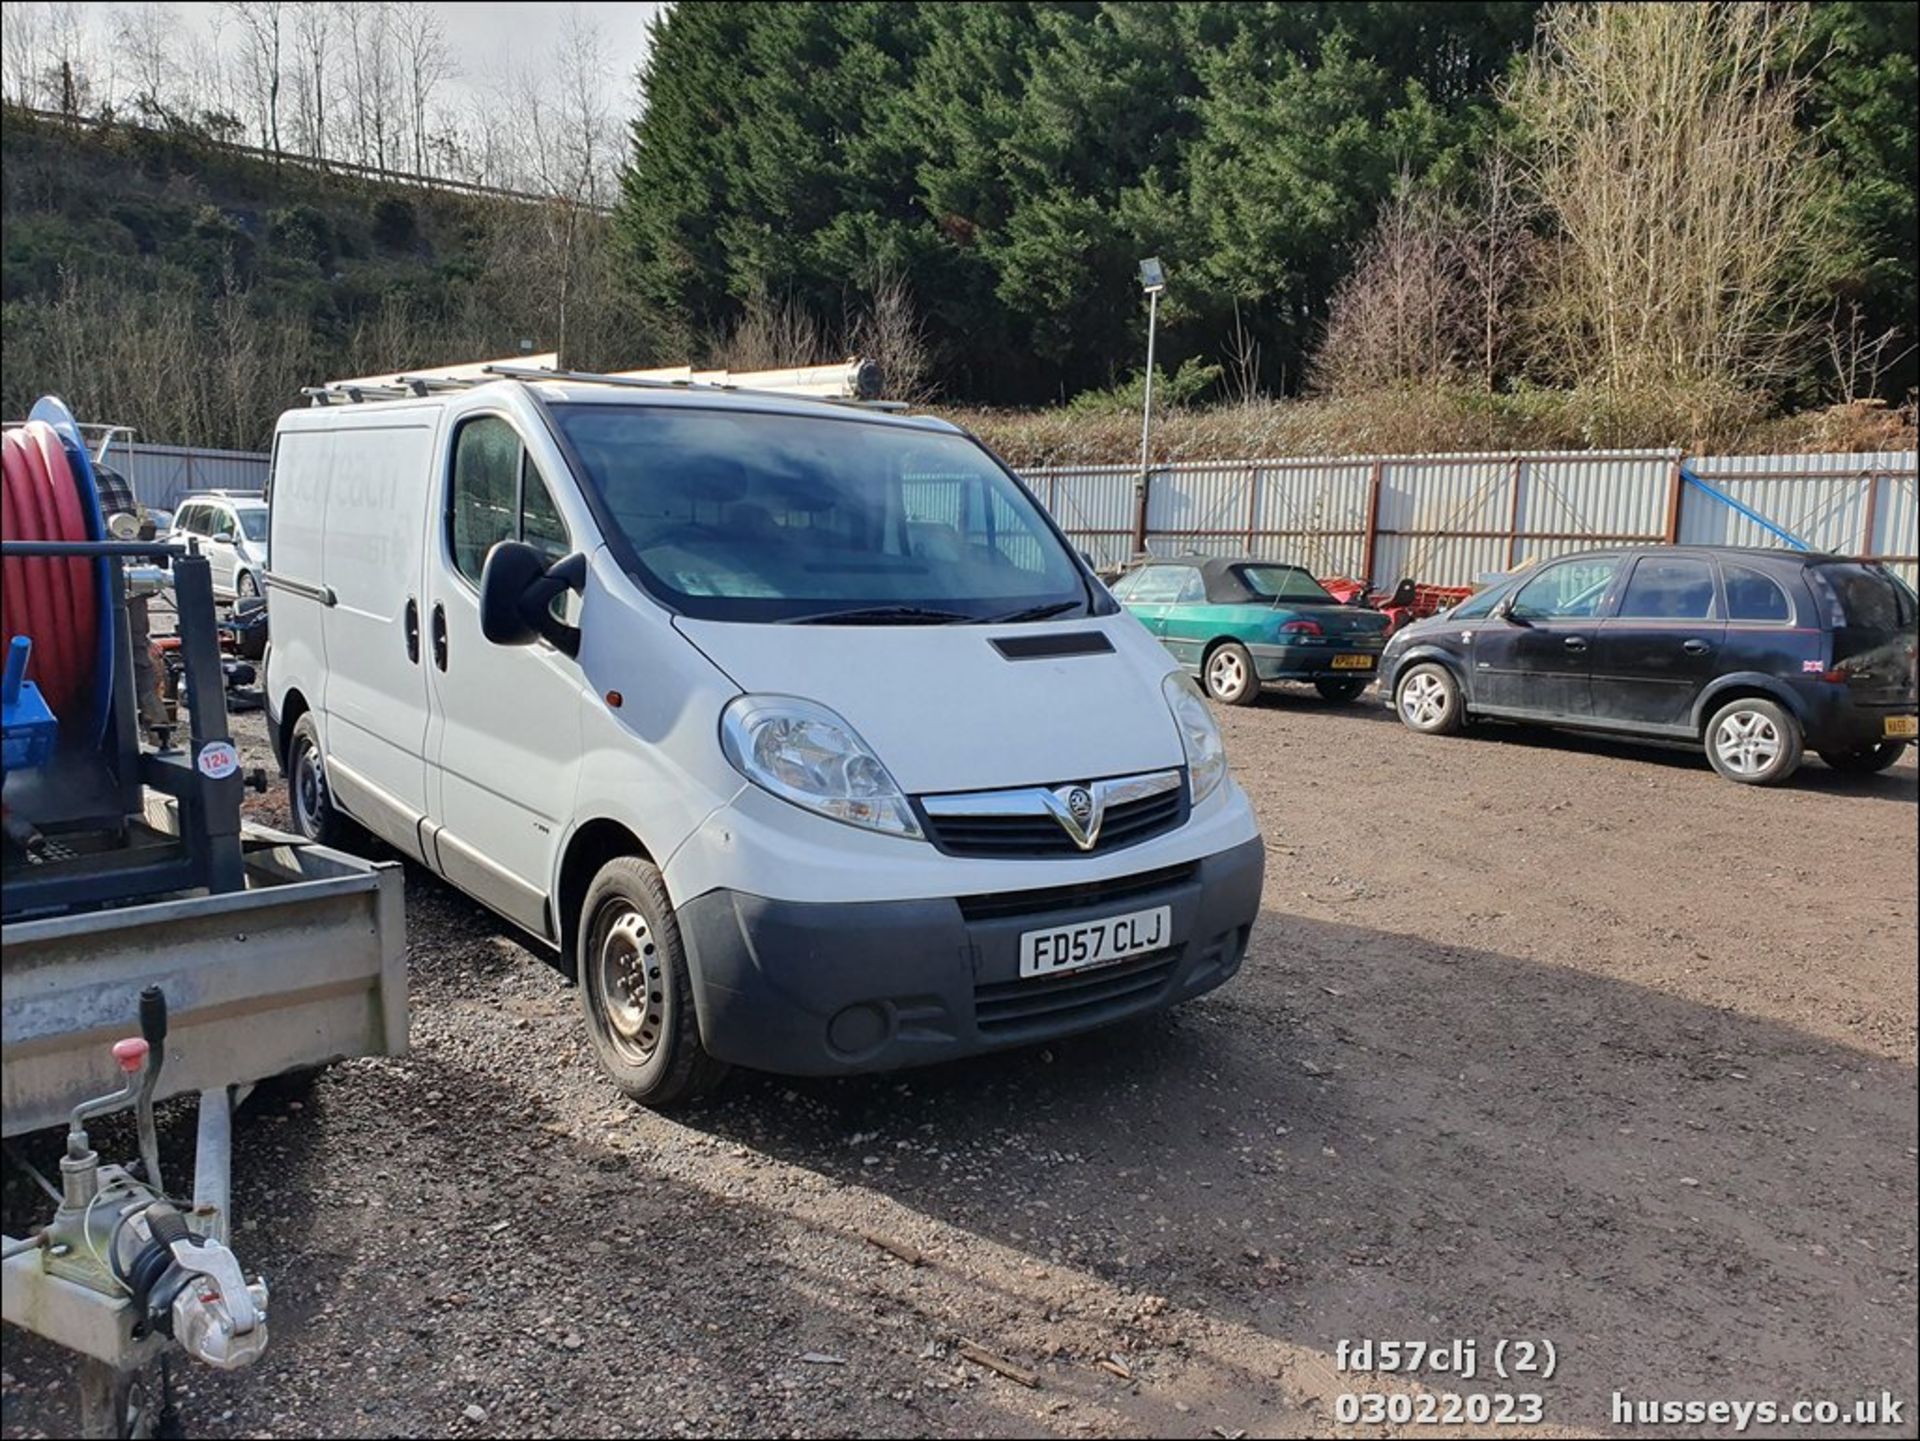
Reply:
x=1575, y=642
x=440, y=635
x=1695, y=647
x=413, y=630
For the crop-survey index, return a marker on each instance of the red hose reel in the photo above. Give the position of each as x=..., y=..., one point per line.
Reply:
x=54, y=602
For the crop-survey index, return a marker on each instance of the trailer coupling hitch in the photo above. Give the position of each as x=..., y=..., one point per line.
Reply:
x=189, y=1287
x=116, y=1233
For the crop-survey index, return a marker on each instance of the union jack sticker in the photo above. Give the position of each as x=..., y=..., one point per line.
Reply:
x=1812, y=667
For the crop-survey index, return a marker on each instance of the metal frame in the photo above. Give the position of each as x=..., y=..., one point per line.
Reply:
x=101, y=791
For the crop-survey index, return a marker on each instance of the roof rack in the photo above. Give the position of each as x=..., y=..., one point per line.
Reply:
x=853, y=382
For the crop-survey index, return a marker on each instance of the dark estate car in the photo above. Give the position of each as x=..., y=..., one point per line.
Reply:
x=1240, y=623
x=1756, y=654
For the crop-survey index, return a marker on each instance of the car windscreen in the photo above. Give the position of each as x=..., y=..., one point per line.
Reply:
x=1871, y=597
x=253, y=521
x=758, y=516
x=1285, y=582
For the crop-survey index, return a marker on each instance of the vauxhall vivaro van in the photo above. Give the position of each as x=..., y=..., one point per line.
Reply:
x=797, y=730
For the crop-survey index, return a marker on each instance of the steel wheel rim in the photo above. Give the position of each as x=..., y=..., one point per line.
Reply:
x=1747, y=742
x=632, y=985
x=1423, y=700
x=1226, y=675
x=309, y=791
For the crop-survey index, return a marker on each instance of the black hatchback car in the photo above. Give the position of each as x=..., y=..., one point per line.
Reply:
x=1759, y=655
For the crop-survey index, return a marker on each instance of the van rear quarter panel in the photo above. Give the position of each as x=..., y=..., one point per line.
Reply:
x=298, y=527
x=349, y=505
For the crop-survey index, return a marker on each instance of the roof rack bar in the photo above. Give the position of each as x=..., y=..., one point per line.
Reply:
x=641, y=382
x=804, y=382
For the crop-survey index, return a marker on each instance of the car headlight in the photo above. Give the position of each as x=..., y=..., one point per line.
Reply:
x=805, y=754
x=1199, y=735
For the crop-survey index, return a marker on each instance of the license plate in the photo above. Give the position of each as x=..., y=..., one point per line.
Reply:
x=1904, y=727
x=1353, y=662
x=1094, y=943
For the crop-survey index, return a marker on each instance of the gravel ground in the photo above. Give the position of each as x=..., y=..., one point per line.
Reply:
x=1539, y=1037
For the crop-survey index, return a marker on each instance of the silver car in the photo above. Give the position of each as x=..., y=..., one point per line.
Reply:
x=231, y=529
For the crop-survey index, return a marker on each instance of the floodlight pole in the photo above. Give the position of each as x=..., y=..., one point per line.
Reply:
x=1146, y=409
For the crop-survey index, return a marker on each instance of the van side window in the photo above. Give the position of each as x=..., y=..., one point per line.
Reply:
x=480, y=498
x=540, y=523
x=497, y=494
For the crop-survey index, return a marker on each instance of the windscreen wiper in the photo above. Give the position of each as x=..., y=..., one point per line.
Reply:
x=881, y=615
x=1032, y=612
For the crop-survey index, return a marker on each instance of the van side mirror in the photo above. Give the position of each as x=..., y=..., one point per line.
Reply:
x=517, y=588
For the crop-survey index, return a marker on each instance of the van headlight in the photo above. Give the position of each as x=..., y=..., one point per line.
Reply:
x=804, y=753
x=1199, y=735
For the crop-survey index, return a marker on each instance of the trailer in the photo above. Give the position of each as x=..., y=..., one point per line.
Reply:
x=145, y=931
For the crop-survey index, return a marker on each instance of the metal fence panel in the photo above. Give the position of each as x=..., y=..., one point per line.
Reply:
x=1852, y=504
x=1313, y=513
x=1456, y=519
x=162, y=474
x=1093, y=504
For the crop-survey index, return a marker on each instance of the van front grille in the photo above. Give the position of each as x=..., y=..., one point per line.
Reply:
x=1017, y=824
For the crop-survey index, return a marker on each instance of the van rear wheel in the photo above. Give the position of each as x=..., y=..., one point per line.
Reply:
x=309, y=799
x=635, y=992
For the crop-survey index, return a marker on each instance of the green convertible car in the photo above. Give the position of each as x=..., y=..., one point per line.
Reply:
x=1239, y=624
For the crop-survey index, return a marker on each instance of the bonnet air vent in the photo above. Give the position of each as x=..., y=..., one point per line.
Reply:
x=1049, y=647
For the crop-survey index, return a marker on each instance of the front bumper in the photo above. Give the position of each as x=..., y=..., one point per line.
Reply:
x=820, y=988
x=1312, y=662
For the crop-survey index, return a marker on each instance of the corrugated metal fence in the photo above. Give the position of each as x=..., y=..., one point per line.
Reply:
x=161, y=474
x=1449, y=519
x=1441, y=519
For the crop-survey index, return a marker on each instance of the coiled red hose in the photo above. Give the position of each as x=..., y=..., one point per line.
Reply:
x=51, y=601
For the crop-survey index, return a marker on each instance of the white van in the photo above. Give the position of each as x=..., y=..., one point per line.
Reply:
x=797, y=730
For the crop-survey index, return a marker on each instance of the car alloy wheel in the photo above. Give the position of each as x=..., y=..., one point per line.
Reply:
x=1747, y=742
x=1423, y=700
x=1227, y=674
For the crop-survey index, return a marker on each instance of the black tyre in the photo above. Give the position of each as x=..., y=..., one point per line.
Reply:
x=1229, y=674
x=1754, y=742
x=1427, y=699
x=1341, y=688
x=1865, y=761
x=634, y=989
x=309, y=797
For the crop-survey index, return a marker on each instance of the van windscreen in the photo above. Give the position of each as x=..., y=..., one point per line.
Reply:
x=757, y=516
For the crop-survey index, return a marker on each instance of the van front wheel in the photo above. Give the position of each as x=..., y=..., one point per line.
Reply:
x=635, y=991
